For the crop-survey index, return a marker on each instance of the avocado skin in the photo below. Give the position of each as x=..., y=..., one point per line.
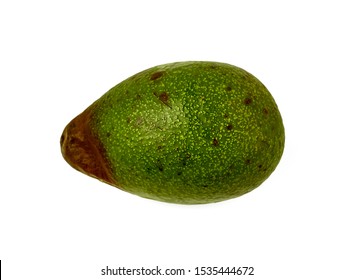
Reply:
x=186, y=132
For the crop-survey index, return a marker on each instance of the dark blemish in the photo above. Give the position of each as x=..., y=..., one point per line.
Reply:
x=179, y=173
x=262, y=169
x=247, y=101
x=163, y=97
x=226, y=116
x=265, y=111
x=156, y=75
x=108, y=134
x=128, y=120
x=159, y=165
x=159, y=147
x=263, y=144
x=73, y=141
x=213, y=66
x=228, y=88
x=248, y=161
x=215, y=142
x=205, y=186
x=138, y=97
x=230, y=127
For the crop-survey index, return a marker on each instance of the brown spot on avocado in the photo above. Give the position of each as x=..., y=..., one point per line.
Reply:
x=215, y=142
x=83, y=151
x=160, y=165
x=230, y=127
x=185, y=159
x=156, y=75
x=163, y=97
x=228, y=88
x=247, y=101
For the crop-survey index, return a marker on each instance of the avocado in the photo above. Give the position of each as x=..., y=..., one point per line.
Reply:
x=189, y=132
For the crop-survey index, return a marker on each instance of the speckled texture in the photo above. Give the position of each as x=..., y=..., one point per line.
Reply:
x=189, y=132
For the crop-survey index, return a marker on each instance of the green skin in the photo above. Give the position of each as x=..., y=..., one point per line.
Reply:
x=185, y=132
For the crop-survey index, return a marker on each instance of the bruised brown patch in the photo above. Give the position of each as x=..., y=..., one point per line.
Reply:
x=163, y=97
x=215, y=142
x=156, y=75
x=247, y=101
x=83, y=151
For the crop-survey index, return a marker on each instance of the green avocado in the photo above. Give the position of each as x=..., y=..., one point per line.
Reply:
x=186, y=132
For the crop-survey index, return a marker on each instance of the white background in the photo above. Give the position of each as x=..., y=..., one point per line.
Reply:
x=57, y=57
